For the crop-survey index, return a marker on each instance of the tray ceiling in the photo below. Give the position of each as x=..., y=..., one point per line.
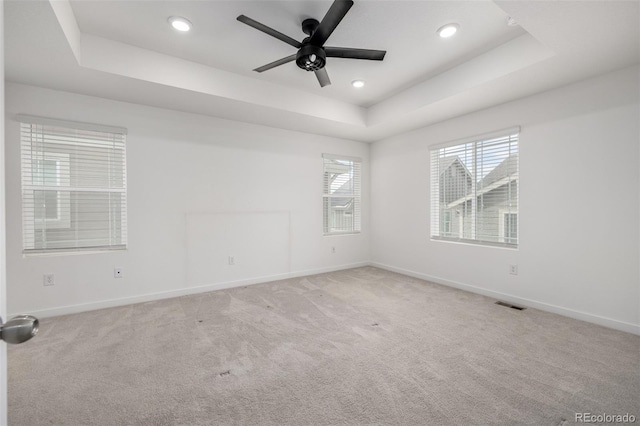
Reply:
x=126, y=50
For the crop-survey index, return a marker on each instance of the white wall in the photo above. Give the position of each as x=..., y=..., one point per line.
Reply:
x=199, y=189
x=579, y=204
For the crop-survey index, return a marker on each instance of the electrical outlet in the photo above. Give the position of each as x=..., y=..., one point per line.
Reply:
x=48, y=279
x=117, y=272
x=513, y=269
x=232, y=260
x=333, y=249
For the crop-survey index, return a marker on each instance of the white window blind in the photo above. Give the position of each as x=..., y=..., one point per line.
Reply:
x=474, y=190
x=341, y=194
x=73, y=186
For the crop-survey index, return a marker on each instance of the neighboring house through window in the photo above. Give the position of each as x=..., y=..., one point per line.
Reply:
x=51, y=207
x=341, y=194
x=73, y=186
x=509, y=227
x=474, y=190
x=446, y=223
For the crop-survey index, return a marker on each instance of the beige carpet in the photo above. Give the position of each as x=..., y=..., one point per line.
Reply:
x=362, y=346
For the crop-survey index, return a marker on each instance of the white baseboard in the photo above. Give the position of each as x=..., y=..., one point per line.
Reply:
x=583, y=316
x=595, y=319
x=74, y=309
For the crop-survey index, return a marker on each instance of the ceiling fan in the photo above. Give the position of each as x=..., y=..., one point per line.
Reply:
x=312, y=53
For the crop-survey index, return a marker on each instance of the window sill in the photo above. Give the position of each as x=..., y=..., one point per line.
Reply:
x=476, y=243
x=337, y=234
x=71, y=252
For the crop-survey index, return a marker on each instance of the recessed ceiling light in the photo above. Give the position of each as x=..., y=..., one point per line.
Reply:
x=448, y=30
x=180, y=24
x=357, y=83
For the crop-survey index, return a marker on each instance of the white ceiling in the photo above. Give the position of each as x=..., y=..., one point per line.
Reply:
x=407, y=30
x=125, y=50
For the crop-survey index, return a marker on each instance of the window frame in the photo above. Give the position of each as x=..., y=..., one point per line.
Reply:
x=40, y=138
x=355, y=196
x=475, y=196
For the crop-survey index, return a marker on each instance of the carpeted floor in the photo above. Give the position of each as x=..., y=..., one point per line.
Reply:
x=355, y=347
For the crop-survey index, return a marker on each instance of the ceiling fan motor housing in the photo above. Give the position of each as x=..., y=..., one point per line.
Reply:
x=311, y=58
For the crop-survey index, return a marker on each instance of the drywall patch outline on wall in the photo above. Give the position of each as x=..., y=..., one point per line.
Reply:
x=232, y=246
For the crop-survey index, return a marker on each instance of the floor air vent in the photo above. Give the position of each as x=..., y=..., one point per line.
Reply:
x=509, y=305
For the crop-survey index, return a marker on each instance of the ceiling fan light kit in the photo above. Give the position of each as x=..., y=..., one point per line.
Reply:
x=312, y=54
x=311, y=58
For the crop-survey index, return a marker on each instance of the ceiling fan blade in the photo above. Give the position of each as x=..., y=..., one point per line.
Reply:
x=336, y=12
x=276, y=63
x=347, y=52
x=267, y=30
x=323, y=77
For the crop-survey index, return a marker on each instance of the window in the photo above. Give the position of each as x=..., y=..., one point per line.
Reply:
x=341, y=195
x=476, y=182
x=510, y=227
x=446, y=223
x=54, y=205
x=73, y=186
